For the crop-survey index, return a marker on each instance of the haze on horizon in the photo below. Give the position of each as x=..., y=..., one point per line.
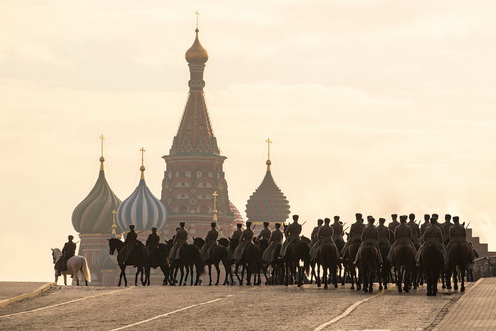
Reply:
x=373, y=106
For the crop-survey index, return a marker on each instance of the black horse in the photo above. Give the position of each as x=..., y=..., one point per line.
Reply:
x=368, y=266
x=189, y=257
x=328, y=257
x=458, y=257
x=218, y=253
x=158, y=258
x=251, y=261
x=136, y=259
x=385, y=270
x=432, y=265
x=297, y=251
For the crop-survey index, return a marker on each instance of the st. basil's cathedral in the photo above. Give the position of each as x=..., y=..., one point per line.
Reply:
x=194, y=189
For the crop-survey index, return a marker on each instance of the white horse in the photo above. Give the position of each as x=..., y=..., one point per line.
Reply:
x=74, y=265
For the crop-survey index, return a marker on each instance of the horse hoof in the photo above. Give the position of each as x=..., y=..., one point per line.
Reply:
x=325, y=287
x=400, y=290
x=462, y=289
x=444, y=286
x=380, y=288
x=335, y=285
x=318, y=285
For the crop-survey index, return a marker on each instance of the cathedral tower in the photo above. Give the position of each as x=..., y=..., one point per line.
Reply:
x=194, y=174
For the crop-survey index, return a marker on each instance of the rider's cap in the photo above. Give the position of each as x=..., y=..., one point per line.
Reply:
x=213, y=224
x=336, y=217
x=182, y=224
x=456, y=218
x=394, y=215
x=266, y=223
x=435, y=215
x=239, y=225
x=320, y=221
x=295, y=217
x=370, y=219
x=71, y=237
x=278, y=225
x=131, y=226
x=382, y=220
x=358, y=215
x=327, y=220
x=248, y=223
x=154, y=228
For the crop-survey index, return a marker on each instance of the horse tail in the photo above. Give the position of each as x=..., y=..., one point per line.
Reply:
x=85, y=270
x=199, y=264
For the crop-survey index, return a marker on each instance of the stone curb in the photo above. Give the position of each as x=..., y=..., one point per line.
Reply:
x=38, y=291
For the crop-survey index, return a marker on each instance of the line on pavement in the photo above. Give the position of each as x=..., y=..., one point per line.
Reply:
x=347, y=311
x=62, y=303
x=172, y=312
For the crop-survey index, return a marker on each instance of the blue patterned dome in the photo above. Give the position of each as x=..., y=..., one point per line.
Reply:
x=142, y=209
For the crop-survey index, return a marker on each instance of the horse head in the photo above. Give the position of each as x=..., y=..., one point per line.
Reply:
x=114, y=244
x=56, y=254
x=223, y=242
x=199, y=242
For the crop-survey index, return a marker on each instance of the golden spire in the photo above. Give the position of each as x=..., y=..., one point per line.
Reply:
x=102, y=159
x=142, y=168
x=214, y=218
x=114, y=226
x=197, y=16
x=268, y=163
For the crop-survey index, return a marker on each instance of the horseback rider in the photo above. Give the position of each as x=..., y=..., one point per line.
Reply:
x=324, y=237
x=210, y=241
x=402, y=235
x=383, y=233
x=68, y=251
x=315, y=231
x=152, y=242
x=392, y=226
x=458, y=234
x=434, y=234
x=292, y=233
x=238, y=232
x=337, y=228
x=370, y=236
x=275, y=239
x=446, y=228
x=246, y=238
x=424, y=225
x=437, y=224
x=180, y=239
x=415, y=230
x=265, y=233
x=355, y=235
x=130, y=242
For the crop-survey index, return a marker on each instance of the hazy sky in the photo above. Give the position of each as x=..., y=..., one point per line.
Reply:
x=373, y=106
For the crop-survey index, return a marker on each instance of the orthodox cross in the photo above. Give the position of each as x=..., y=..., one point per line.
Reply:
x=214, y=218
x=142, y=156
x=268, y=141
x=102, y=138
x=197, y=15
x=114, y=233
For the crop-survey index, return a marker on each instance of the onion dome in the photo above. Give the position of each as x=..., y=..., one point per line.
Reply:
x=142, y=208
x=94, y=213
x=267, y=203
x=196, y=54
x=238, y=218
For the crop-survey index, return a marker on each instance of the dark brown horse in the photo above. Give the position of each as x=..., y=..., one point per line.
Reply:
x=350, y=266
x=368, y=266
x=297, y=251
x=158, y=258
x=385, y=270
x=136, y=258
x=327, y=257
x=458, y=256
x=218, y=253
x=432, y=266
x=404, y=264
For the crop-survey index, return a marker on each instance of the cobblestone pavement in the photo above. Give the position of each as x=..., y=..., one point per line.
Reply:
x=225, y=307
x=476, y=309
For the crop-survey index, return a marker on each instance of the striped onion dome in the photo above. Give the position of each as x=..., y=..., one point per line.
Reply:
x=142, y=209
x=267, y=203
x=238, y=218
x=94, y=213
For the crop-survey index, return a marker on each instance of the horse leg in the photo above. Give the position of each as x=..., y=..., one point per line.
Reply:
x=218, y=273
x=210, y=274
x=197, y=276
x=248, y=274
x=455, y=278
x=242, y=275
x=65, y=279
x=462, y=289
x=399, y=277
x=324, y=276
